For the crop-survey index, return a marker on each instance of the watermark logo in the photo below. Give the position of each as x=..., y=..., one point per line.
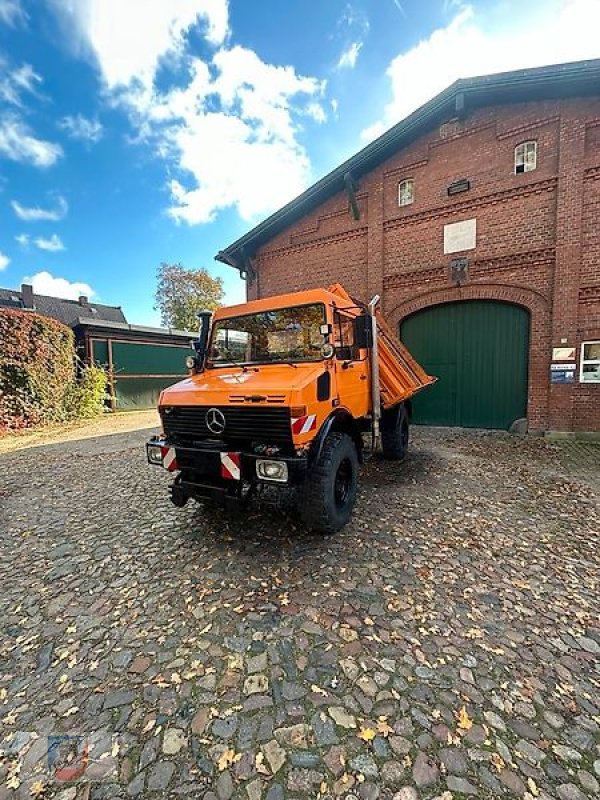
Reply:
x=68, y=757
x=34, y=762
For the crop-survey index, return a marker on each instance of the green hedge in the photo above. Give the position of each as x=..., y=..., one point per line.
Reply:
x=37, y=373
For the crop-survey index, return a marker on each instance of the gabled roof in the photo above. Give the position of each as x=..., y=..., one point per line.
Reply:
x=65, y=311
x=561, y=80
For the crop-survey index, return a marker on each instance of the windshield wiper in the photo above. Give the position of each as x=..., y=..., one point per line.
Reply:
x=240, y=364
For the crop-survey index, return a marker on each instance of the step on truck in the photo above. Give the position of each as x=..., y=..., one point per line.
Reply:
x=291, y=392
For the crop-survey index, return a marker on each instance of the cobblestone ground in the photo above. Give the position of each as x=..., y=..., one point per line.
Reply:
x=444, y=645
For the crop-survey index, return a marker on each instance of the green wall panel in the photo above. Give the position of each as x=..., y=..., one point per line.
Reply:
x=100, y=352
x=136, y=393
x=132, y=358
x=478, y=349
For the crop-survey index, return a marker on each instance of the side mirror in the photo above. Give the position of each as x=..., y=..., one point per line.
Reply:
x=363, y=332
x=201, y=343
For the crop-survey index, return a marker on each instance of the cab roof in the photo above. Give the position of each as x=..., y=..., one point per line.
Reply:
x=306, y=297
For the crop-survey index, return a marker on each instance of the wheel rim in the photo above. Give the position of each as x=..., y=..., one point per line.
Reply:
x=342, y=483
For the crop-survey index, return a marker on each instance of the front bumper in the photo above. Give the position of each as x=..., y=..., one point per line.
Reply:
x=219, y=464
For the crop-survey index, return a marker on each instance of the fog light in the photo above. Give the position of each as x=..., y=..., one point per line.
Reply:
x=154, y=452
x=190, y=362
x=272, y=470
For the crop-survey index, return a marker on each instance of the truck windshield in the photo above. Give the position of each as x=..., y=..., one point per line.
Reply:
x=284, y=334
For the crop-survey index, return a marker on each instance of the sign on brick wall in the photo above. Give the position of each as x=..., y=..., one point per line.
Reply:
x=460, y=236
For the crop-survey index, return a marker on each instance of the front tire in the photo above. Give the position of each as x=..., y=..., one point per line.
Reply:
x=395, y=434
x=327, y=497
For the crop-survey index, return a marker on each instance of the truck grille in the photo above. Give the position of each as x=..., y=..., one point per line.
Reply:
x=186, y=424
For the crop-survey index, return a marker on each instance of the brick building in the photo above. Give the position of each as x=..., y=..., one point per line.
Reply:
x=477, y=219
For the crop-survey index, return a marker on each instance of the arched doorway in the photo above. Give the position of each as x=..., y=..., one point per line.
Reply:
x=478, y=349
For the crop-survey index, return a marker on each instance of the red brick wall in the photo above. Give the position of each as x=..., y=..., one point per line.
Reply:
x=538, y=236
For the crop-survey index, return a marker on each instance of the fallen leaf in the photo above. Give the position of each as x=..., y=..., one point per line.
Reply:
x=497, y=761
x=260, y=765
x=465, y=722
x=366, y=734
x=37, y=789
x=226, y=760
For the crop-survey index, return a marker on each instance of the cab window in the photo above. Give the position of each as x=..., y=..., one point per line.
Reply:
x=345, y=349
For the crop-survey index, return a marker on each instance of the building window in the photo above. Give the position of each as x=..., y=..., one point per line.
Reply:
x=590, y=362
x=525, y=157
x=406, y=192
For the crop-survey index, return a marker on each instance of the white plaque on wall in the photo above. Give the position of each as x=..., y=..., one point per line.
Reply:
x=460, y=236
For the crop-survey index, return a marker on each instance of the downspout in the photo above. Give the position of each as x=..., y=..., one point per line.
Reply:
x=375, y=387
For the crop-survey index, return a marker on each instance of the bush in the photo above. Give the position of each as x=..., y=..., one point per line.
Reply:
x=86, y=398
x=37, y=373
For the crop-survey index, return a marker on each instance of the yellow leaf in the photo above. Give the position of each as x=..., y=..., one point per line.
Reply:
x=497, y=761
x=226, y=760
x=383, y=728
x=37, y=789
x=533, y=787
x=366, y=734
x=317, y=690
x=465, y=722
x=260, y=765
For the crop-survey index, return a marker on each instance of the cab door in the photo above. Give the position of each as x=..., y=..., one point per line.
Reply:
x=351, y=367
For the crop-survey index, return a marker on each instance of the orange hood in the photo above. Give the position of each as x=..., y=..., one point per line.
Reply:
x=274, y=382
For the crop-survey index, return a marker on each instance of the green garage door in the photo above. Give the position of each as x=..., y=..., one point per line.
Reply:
x=478, y=350
x=141, y=370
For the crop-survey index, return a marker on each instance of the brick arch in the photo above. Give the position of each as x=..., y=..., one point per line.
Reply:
x=539, y=332
x=533, y=301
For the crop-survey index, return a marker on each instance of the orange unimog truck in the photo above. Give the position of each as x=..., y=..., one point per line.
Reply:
x=283, y=392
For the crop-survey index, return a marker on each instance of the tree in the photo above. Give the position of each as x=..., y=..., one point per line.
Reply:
x=181, y=293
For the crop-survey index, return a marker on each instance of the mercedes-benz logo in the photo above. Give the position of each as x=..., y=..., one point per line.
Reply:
x=215, y=420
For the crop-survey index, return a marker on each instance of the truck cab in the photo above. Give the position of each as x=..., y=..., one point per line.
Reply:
x=280, y=393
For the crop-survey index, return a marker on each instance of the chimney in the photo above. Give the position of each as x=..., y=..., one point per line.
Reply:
x=27, y=295
x=83, y=301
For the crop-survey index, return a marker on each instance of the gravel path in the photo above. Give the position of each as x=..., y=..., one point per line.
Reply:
x=444, y=645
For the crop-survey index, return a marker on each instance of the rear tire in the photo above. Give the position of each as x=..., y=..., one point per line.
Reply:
x=327, y=497
x=395, y=434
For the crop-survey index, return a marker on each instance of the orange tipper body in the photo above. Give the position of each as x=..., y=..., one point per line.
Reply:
x=283, y=377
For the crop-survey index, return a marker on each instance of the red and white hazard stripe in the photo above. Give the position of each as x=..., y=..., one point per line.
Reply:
x=169, y=458
x=230, y=466
x=304, y=424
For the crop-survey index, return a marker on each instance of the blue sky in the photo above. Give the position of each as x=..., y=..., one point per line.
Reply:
x=160, y=130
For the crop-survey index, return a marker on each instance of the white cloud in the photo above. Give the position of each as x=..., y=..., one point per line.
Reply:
x=349, y=56
x=22, y=239
x=45, y=283
x=129, y=37
x=12, y=12
x=542, y=33
x=14, y=82
x=37, y=214
x=80, y=127
x=246, y=154
x=52, y=245
x=227, y=128
x=18, y=143
x=232, y=134
x=4, y=261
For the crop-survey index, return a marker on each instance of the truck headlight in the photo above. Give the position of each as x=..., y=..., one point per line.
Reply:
x=272, y=470
x=154, y=452
x=190, y=362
